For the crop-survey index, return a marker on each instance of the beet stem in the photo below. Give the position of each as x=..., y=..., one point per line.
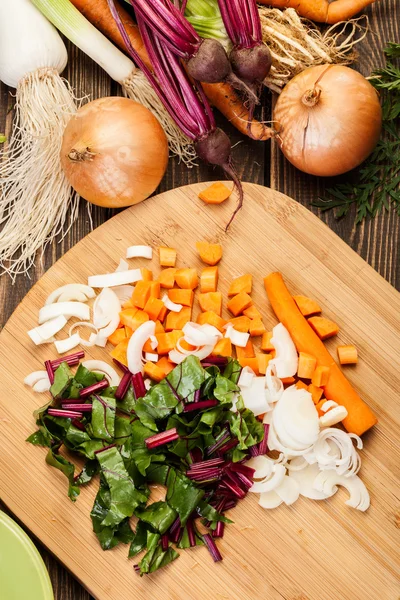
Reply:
x=92, y=389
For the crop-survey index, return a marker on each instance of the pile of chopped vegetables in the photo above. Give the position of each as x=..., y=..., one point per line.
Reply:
x=210, y=409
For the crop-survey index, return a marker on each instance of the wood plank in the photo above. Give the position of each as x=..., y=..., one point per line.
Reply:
x=334, y=552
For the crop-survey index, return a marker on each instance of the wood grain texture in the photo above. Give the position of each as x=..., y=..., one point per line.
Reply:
x=334, y=552
x=376, y=241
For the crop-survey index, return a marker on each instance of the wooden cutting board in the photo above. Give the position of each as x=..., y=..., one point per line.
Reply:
x=309, y=551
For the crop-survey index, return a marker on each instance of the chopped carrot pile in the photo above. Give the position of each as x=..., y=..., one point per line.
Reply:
x=316, y=392
x=215, y=193
x=223, y=348
x=243, y=283
x=324, y=328
x=187, y=279
x=209, y=280
x=166, y=278
x=307, y=364
x=320, y=376
x=239, y=303
x=181, y=296
x=167, y=256
x=246, y=352
x=241, y=323
x=347, y=355
x=211, y=301
x=307, y=306
x=210, y=254
x=211, y=318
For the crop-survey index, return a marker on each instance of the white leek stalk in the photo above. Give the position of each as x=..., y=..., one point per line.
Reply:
x=34, y=193
x=135, y=85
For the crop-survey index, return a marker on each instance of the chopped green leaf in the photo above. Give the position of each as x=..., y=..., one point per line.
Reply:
x=182, y=495
x=41, y=437
x=108, y=536
x=63, y=465
x=103, y=418
x=139, y=541
x=90, y=469
x=225, y=389
x=158, y=515
x=62, y=379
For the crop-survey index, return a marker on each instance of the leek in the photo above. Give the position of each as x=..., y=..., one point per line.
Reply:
x=206, y=18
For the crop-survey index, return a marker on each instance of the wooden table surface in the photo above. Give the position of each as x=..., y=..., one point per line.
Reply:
x=377, y=241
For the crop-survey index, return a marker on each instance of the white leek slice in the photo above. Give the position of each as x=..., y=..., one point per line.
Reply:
x=172, y=306
x=246, y=377
x=334, y=450
x=270, y=482
x=147, y=384
x=286, y=360
x=274, y=386
x=106, y=311
x=296, y=419
x=42, y=334
x=139, y=252
x=72, y=291
x=262, y=465
x=359, y=496
x=238, y=338
x=123, y=292
x=184, y=350
x=288, y=490
x=92, y=339
x=201, y=335
x=67, y=309
x=274, y=443
x=151, y=357
x=135, y=346
x=177, y=357
x=305, y=478
x=42, y=386
x=122, y=266
x=328, y=405
x=254, y=396
x=100, y=366
x=270, y=500
x=67, y=344
x=34, y=377
x=153, y=342
x=333, y=416
x=116, y=278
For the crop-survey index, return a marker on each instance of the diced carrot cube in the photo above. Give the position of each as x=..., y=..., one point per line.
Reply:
x=316, y=392
x=155, y=289
x=119, y=352
x=241, y=323
x=167, y=256
x=307, y=364
x=347, y=354
x=252, y=312
x=209, y=280
x=153, y=307
x=223, y=348
x=134, y=322
x=321, y=376
x=187, y=279
x=126, y=316
x=241, y=284
x=211, y=318
x=246, y=352
x=216, y=193
x=118, y=336
x=211, y=301
x=178, y=320
x=141, y=293
x=179, y=296
x=263, y=360
x=147, y=275
x=167, y=341
x=300, y=384
x=159, y=327
x=239, y=303
x=210, y=254
x=148, y=347
x=167, y=278
x=128, y=304
x=307, y=306
x=319, y=406
x=166, y=365
x=128, y=331
x=324, y=328
x=266, y=342
x=257, y=327
x=288, y=380
x=153, y=371
x=184, y=344
x=163, y=314
x=250, y=362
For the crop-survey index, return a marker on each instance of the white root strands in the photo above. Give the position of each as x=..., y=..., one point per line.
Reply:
x=36, y=201
x=136, y=87
x=296, y=43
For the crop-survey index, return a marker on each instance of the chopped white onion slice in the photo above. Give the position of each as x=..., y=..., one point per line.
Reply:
x=262, y=465
x=139, y=252
x=183, y=350
x=135, y=346
x=333, y=416
x=70, y=290
x=270, y=500
x=288, y=490
x=238, y=338
x=254, y=396
x=286, y=360
x=44, y=333
x=177, y=357
x=201, y=335
x=123, y=292
x=328, y=405
x=67, y=344
x=305, y=478
x=270, y=482
x=67, y=309
x=246, y=377
x=122, y=266
x=334, y=450
x=34, y=377
x=151, y=357
x=100, y=366
x=116, y=278
x=295, y=419
x=153, y=342
x=42, y=386
x=172, y=306
x=326, y=482
x=106, y=311
x=91, y=341
x=274, y=386
x=147, y=384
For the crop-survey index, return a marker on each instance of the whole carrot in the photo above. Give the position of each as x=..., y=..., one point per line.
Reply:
x=220, y=95
x=322, y=11
x=360, y=417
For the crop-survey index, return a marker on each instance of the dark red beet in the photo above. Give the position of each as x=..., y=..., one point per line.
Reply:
x=211, y=63
x=251, y=64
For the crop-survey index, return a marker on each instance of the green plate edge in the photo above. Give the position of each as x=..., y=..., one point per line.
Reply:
x=31, y=554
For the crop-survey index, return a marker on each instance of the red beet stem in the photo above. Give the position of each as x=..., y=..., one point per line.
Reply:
x=67, y=414
x=49, y=370
x=78, y=424
x=239, y=468
x=202, y=405
x=71, y=359
x=218, y=361
x=196, y=396
x=219, y=530
x=92, y=389
x=123, y=386
x=105, y=448
x=263, y=445
x=206, y=464
x=138, y=385
x=164, y=541
x=234, y=488
x=165, y=437
x=191, y=532
x=219, y=441
x=79, y=407
x=120, y=365
x=212, y=548
x=228, y=446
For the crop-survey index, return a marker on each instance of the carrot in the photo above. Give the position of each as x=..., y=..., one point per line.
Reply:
x=184, y=297
x=246, y=352
x=319, y=404
x=148, y=347
x=322, y=11
x=223, y=348
x=252, y=312
x=166, y=278
x=263, y=360
x=153, y=307
x=178, y=320
x=316, y=392
x=147, y=275
x=119, y=352
x=163, y=314
x=209, y=280
x=288, y=380
x=133, y=319
x=241, y=284
x=128, y=331
x=118, y=336
x=239, y=303
x=301, y=385
x=155, y=289
x=141, y=293
x=211, y=301
x=211, y=318
x=153, y=371
x=324, y=328
x=159, y=327
x=266, y=342
x=210, y=254
x=250, y=362
x=321, y=376
x=360, y=417
x=167, y=341
x=307, y=364
x=126, y=316
x=187, y=279
x=166, y=365
x=241, y=323
x=167, y=256
x=128, y=304
x=307, y=306
x=216, y=193
x=257, y=327
x=347, y=355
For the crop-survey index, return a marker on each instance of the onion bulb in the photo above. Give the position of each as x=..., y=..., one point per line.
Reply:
x=329, y=120
x=114, y=152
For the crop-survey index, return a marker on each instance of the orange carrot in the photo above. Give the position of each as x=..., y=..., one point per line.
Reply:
x=307, y=306
x=167, y=256
x=300, y=384
x=209, y=280
x=163, y=314
x=316, y=392
x=159, y=327
x=153, y=371
x=166, y=365
x=128, y=331
x=263, y=360
x=321, y=376
x=141, y=293
x=319, y=404
x=246, y=352
x=250, y=362
x=119, y=352
x=211, y=301
x=167, y=341
x=118, y=336
x=133, y=319
x=184, y=297
x=153, y=308
x=239, y=303
x=241, y=323
x=266, y=342
x=127, y=315
x=223, y=348
x=324, y=328
x=360, y=417
x=257, y=327
x=347, y=355
x=128, y=304
x=155, y=289
x=252, y=312
x=322, y=11
x=210, y=254
x=288, y=380
x=187, y=279
x=216, y=193
x=178, y=320
x=147, y=275
x=211, y=318
x=241, y=284
x=307, y=364
x=166, y=278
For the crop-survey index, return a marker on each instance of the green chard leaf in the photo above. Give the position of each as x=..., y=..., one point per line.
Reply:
x=182, y=495
x=140, y=540
x=188, y=377
x=225, y=390
x=41, y=437
x=127, y=405
x=245, y=426
x=232, y=370
x=63, y=465
x=158, y=404
x=184, y=542
x=158, y=516
x=162, y=558
x=86, y=378
x=155, y=557
x=108, y=536
x=103, y=418
x=63, y=377
x=90, y=469
x=209, y=513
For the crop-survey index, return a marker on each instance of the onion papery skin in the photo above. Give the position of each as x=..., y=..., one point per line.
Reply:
x=328, y=120
x=114, y=152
